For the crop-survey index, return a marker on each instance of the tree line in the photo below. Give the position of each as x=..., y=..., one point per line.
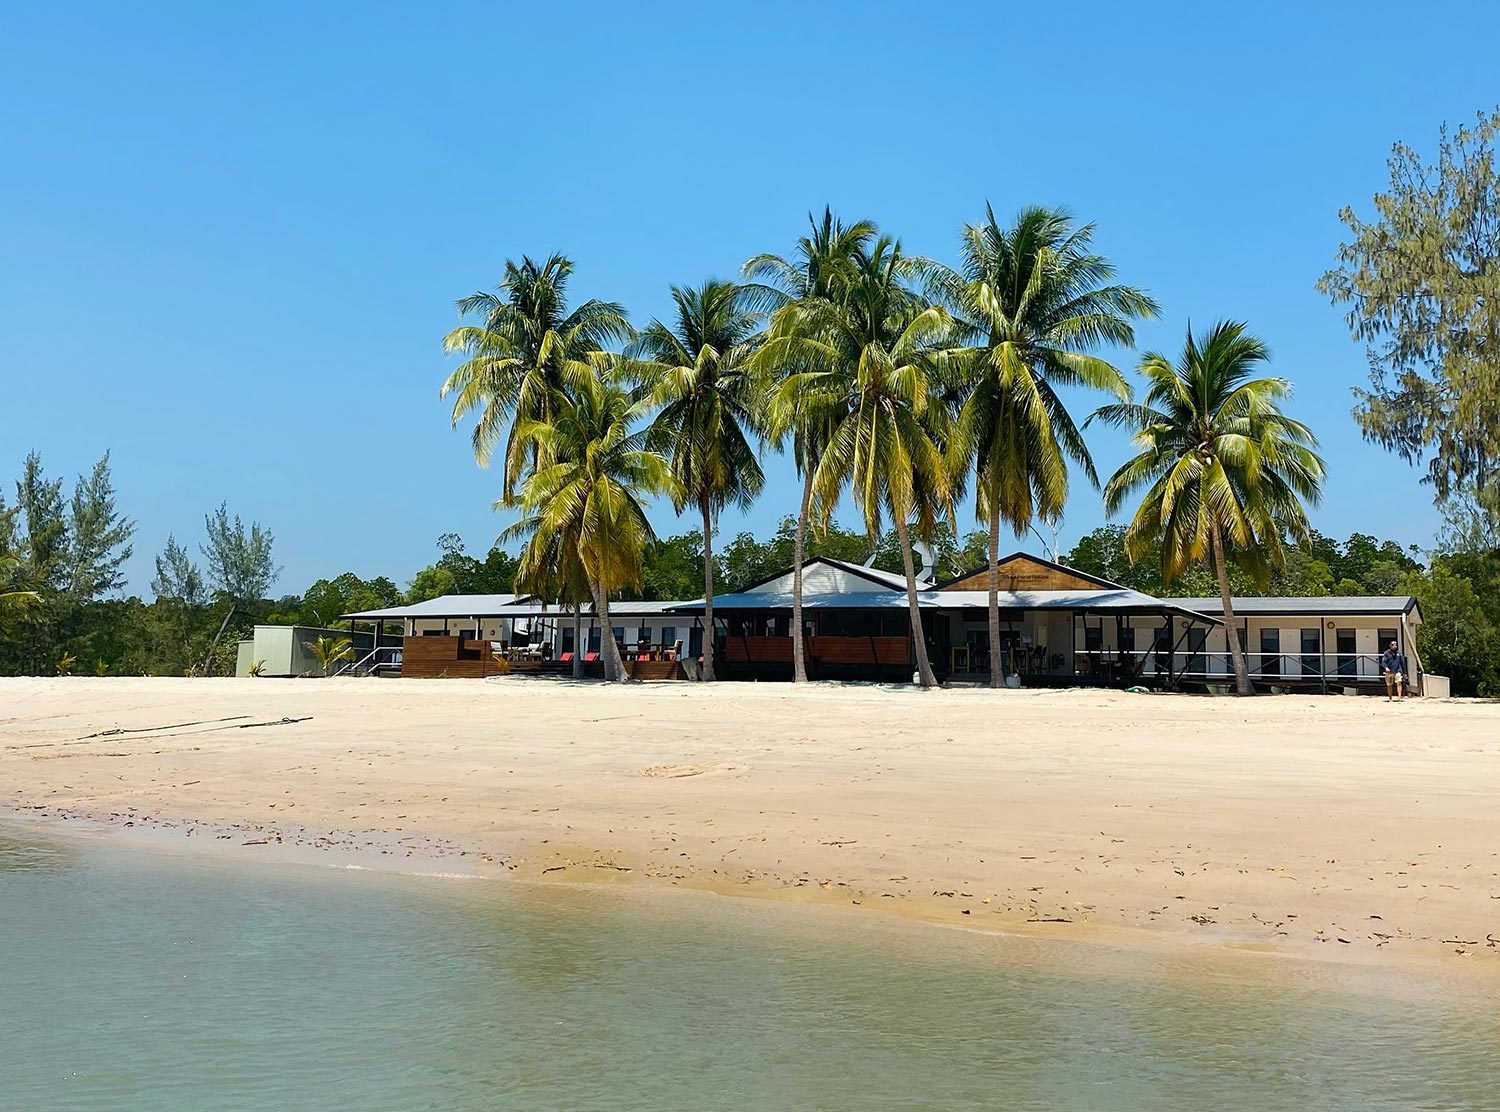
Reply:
x=173, y=632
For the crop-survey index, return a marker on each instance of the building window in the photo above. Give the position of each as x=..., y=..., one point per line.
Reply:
x=1127, y=639
x=669, y=636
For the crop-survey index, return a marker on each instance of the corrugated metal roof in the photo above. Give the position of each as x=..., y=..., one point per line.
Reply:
x=896, y=579
x=448, y=606
x=1115, y=601
x=498, y=606
x=1328, y=604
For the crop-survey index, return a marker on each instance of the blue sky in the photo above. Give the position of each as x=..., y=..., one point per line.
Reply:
x=231, y=237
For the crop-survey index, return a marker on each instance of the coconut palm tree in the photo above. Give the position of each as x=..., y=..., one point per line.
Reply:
x=328, y=651
x=587, y=496
x=818, y=270
x=13, y=600
x=870, y=385
x=709, y=404
x=524, y=350
x=1033, y=301
x=1225, y=472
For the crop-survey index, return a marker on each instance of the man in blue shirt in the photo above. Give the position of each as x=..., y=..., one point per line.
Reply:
x=1393, y=668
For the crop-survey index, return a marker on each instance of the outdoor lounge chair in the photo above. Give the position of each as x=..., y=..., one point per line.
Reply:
x=566, y=657
x=590, y=658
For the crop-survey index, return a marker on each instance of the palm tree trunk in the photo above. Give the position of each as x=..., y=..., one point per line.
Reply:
x=578, y=641
x=708, y=589
x=799, y=652
x=918, y=636
x=614, y=666
x=997, y=658
x=1231, y=630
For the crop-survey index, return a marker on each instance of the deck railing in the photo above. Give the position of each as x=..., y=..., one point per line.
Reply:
x=1322, y=668
x=387, y=658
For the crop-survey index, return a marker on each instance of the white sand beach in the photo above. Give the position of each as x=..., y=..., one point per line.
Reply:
x=1336, y=826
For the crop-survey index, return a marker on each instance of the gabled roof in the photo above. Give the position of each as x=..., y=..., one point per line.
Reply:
x=1021, y=554
x=895, y=581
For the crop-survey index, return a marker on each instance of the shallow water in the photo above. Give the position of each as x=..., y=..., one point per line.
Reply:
x=138, y=979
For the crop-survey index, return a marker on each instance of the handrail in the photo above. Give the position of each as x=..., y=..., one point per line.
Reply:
x=1220, y=664
x=363, y=666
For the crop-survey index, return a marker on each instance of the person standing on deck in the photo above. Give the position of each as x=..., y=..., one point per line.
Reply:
x=1393, y=668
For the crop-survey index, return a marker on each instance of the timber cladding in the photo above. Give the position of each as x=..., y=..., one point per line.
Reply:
x=1026, y=573
x=430, y=657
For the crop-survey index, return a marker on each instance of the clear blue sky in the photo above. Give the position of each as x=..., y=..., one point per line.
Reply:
x=231, y=237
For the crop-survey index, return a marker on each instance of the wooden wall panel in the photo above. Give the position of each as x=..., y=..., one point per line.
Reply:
x=1021, y=573
x=430, y=657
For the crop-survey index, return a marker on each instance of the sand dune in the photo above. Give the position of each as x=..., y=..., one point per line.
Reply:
x=1295, y=823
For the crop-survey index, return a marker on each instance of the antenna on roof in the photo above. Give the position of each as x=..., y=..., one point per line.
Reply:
x=923, y=550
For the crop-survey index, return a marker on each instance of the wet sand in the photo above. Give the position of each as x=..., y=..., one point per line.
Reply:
x=1339, y=827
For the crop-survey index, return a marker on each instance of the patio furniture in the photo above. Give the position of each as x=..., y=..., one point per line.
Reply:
x=958, y=659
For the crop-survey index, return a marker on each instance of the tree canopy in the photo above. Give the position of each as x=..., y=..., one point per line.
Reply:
x=1421, y=279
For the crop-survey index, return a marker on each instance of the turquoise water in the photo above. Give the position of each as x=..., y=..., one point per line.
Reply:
x=135, y=979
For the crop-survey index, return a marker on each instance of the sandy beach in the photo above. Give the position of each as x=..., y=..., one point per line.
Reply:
x=1336, y=826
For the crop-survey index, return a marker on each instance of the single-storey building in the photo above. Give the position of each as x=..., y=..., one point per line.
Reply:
x=283, y=651
x=1059, y=627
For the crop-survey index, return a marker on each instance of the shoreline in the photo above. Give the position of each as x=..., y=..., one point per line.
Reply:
x=746, y=795
x=1246, y=960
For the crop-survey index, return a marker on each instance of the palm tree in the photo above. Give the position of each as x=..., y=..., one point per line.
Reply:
x=328, y=651
x=1225, y=471
x=1033, y=301
x=526, y=348
x=820, y=269
x=13, y=601
x=587, y=496
x=709, y=409
x=871, y=389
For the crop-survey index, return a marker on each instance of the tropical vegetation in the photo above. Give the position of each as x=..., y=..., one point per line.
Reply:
x=1225, y=472
x=708, y=410
x=1033, y=303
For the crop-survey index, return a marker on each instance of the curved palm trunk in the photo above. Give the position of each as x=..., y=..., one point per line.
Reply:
x=918, y=635
x=997, y=659
x=799, y=651
x=708, y=590
x=577, y=641
x=1231, y=630
x=614, y=666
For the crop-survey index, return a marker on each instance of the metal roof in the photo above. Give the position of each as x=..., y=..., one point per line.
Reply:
x=1118, y=600
x=1327, y=604
x=448, y=606
x=1113, y=601
x=498, y=606
x=893, y=579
